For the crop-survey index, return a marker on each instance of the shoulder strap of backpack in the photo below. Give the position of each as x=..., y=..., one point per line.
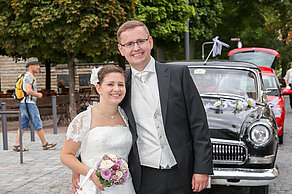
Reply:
x=32, y=77
x=29, y=117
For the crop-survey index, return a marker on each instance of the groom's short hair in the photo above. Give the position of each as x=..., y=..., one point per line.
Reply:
x=130, y=25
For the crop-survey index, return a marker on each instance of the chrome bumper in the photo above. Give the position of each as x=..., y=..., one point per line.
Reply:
x=244, y=177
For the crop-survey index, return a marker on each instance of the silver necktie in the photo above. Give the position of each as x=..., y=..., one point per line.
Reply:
x=146, y=90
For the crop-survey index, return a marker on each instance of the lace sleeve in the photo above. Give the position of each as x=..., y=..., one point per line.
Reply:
x=124, y=116
x=79, y=126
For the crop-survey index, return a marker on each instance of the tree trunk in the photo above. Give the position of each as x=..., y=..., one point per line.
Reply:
x=48, y=74
x=72, y=101
x=192, y=49
x=160, y=54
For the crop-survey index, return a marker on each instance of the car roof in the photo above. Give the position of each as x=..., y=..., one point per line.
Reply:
x=254, y=49
x=221, y=63
x=267, y=71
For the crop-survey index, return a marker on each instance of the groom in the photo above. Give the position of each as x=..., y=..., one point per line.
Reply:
x=171, y=150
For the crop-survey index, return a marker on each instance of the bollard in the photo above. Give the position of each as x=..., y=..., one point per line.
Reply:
x=32, y=131
x=54, y=109
x=20, y=138
x=20, y=131
x=4, y=127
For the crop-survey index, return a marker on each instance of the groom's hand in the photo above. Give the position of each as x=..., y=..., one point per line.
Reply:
x=96, y=181
x=75, y=181
x=199, y=182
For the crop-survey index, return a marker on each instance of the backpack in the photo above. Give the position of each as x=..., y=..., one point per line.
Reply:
x=19, y=93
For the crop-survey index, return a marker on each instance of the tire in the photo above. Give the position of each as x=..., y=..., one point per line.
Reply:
x=259, y=190
x=281, y=139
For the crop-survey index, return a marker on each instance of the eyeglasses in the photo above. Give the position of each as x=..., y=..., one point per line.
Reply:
x=132, y=44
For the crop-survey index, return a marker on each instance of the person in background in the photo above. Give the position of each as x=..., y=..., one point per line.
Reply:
x=288, y=81
x=29, y=110
x=61, y=86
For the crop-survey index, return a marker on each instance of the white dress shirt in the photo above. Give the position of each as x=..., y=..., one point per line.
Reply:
x=153, y=146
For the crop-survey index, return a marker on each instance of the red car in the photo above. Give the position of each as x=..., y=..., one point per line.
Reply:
x=265, y=59
x=275, y=96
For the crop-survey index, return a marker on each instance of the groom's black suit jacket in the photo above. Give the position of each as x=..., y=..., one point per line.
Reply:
x=184, y=121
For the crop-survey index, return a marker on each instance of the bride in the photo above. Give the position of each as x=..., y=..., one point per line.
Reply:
x=101, y=129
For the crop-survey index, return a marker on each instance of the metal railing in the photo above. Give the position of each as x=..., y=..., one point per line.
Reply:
x=4, y=112
x=4, y=129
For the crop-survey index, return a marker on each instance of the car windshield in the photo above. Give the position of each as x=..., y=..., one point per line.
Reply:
x=224, y=81
x=259, y=58
x=270, y=83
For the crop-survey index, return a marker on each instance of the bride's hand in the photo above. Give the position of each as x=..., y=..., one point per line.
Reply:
x=75, y=181
x=96, y=181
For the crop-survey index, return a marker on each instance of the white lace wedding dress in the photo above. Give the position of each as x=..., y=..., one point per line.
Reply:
x=97, y=142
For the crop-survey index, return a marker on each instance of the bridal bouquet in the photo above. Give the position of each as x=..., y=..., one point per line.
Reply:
x=112, y=170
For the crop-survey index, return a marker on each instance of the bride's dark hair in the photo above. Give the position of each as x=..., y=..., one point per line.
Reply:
x=106, y=69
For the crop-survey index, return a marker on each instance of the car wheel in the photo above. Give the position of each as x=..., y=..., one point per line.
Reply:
x=259, y=190
x=281, y=139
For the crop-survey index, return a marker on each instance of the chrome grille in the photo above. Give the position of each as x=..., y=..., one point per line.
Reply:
x=228, y=151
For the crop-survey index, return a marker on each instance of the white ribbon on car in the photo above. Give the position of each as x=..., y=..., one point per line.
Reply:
x=217, y=47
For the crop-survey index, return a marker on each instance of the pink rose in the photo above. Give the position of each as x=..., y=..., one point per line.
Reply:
x=106, y=174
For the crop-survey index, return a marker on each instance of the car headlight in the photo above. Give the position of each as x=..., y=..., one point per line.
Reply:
x=260, y=134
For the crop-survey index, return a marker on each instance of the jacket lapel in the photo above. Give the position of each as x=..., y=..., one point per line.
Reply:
x=126, y=105
x=163, y=77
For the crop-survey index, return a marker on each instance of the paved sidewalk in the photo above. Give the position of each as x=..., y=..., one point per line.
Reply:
x=41, y=171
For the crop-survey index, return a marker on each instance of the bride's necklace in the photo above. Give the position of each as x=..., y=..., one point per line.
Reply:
x=108, y=116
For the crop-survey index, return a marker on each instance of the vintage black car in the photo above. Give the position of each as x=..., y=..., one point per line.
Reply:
x=242, y=124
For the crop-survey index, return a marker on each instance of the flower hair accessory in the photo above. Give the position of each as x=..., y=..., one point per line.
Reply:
x=94, y=75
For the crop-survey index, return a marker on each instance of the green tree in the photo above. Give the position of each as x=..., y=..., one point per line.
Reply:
x=258, y=24
x=203, y=24
x=166, y=21
x=62, y=29
x=279, y=22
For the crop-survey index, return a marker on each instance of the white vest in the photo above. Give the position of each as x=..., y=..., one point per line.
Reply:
x=153, y=147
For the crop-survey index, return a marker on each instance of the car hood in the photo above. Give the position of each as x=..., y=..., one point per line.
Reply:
x=230, y=123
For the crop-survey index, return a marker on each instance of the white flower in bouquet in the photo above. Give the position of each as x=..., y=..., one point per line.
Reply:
x=119, y=174
x=113, y=157
x=106, y=164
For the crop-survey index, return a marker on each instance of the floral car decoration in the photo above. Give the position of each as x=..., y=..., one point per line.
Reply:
x=238, y=105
